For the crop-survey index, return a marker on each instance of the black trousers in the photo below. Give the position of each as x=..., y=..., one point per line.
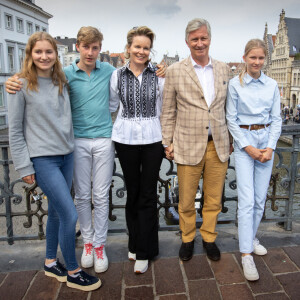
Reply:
x=141, y=165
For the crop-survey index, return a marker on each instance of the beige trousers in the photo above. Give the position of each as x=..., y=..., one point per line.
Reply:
x=214, y=172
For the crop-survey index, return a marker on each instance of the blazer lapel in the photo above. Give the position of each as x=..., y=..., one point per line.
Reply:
x=192, y=73
x=216, y=79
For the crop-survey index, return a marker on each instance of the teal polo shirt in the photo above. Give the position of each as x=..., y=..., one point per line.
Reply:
x=89, y=97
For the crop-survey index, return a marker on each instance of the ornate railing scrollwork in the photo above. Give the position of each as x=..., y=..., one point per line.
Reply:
x=35, y=202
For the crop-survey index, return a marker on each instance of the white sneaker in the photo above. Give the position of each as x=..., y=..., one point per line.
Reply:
x=140, y=266
x=249, y=268
x=100, y=259
x=259, y=249
x=87, y=257
x=131, y=256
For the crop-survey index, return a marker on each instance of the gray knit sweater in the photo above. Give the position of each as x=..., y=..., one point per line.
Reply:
x=40, y=124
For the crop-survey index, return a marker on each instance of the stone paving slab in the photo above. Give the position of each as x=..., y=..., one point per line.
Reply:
x=294, y=254
x=267, y=283
x=16, y=285
x=291, y=284
x=171, y=279
x=236, y=291
x=279, y=262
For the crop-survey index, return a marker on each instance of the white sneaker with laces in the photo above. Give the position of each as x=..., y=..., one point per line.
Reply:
x=100, y=259
x=259, y=249
x=140, y=266
x=249, y=268
x=131, y=256
x=87, y=257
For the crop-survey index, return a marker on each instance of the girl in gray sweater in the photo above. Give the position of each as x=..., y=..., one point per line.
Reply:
x=41, y=142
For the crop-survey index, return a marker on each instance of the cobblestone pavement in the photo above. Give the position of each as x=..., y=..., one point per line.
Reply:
x=171, y=279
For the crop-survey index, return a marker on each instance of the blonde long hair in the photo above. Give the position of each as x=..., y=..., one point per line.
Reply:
x=252, y=44
x=29, y=70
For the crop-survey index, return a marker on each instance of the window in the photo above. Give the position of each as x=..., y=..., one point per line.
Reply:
x=44, y=29
x=8, y=22
x=21, y=57
x=2, y=120
x=1, y=95
x=20, y=25
x=11, y=60
x=37, y=28
x=29, y=28
x=280, y=40
x=1, y=62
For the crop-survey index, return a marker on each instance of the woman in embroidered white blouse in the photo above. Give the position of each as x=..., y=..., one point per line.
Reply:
x=137, y=135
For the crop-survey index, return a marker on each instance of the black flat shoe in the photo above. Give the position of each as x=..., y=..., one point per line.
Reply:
x=186, y=251
x=212, y=250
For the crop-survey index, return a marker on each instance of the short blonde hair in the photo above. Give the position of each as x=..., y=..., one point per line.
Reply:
x=138, y=31
x=89, y=35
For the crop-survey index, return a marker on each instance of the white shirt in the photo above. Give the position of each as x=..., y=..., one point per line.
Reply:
x=138, y=130
x=206, y=78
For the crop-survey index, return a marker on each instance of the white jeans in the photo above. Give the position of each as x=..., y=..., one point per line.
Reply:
x=93, y=160
x=253, y=179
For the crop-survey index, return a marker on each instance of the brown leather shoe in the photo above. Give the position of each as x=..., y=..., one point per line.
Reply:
x=212, y=250
x=186, y=251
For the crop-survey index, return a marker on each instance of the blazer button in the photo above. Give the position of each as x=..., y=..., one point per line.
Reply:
x=202, y=97
x=209, y=110
x=206, y=127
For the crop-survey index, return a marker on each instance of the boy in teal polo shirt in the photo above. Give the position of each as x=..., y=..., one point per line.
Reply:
x=88, y=79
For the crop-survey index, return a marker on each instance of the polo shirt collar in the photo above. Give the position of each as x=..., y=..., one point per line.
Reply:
x=196, y=65
x=248, y=78
x=74, y=64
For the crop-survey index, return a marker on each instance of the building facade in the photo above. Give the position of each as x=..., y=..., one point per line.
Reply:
x=235, y=68
x=18, y=20
x=295, y=84
x=269, y=40
x=169, y=60
x=286, y=46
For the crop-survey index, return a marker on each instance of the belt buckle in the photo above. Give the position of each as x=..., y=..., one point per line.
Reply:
x=255, y=127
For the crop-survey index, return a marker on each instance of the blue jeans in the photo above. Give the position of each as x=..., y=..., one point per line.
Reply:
x=54, y=176
x=253, y=179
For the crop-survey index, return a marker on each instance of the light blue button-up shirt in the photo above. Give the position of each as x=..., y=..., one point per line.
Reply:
x=256, y=102
x=89, y=97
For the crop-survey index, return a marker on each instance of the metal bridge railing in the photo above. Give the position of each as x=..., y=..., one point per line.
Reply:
x=34, y=202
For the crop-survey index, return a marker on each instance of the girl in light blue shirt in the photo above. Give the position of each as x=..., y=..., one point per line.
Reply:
x=253, y=116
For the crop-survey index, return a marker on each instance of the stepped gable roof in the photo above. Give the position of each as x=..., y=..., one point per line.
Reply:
x=293, y=26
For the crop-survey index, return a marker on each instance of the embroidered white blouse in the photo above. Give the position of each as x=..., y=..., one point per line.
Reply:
x=140, y=100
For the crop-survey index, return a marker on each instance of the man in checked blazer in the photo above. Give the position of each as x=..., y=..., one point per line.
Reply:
x=195, y=134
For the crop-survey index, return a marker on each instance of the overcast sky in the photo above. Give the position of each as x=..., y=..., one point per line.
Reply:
x=233, y=22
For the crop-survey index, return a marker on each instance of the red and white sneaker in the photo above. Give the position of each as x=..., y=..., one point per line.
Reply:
x=87, y=257
x=100, y=259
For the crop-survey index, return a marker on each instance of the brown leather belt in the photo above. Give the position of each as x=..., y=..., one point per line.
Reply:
x=210, y=138
x=254, y=126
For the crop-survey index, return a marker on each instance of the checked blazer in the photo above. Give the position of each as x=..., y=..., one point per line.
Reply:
x=186, y=117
